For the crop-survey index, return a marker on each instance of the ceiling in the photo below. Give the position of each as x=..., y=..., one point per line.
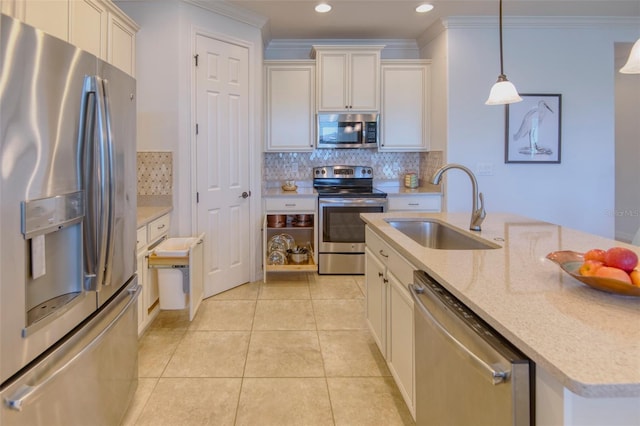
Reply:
x=397, y=19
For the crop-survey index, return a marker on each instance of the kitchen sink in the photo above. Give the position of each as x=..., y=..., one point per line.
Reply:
x=437, y=235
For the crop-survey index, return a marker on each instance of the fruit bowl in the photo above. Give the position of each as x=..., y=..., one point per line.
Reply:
x=570, y=262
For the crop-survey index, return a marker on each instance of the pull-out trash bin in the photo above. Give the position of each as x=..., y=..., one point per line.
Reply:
x=179, y=263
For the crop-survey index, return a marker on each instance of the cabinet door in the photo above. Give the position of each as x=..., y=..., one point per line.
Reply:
x=121, y=41
x=51, y=16
x=400, y=339
x=88, y=26
x=332, y=83
x=376, y=299
x=405, y=113
x=290, y=106
x=364, y=81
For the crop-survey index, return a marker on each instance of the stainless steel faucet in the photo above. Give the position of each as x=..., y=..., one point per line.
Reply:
x=477, y=213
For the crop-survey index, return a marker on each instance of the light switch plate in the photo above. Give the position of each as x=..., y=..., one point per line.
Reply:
x=484, y=169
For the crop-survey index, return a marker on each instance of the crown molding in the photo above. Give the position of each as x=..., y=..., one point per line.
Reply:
x=307, y=44
x=229, y=10
x=540, y=22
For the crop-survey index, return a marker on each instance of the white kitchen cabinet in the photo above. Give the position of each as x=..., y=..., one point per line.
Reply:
x=97, y=26
x=424, y=202
x=348, y=78
x=290, y=105
x=389, y=311
x=148, y=237
x=405, y=106
x=290, y=207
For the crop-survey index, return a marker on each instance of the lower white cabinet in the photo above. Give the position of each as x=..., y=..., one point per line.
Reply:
x=389, y=311
x=425, y=202
x=149, y=236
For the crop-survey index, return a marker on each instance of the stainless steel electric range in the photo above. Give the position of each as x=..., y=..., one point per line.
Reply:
x=343, y=193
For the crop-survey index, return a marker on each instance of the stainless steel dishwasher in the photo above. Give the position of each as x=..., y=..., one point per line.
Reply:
x=466, y=373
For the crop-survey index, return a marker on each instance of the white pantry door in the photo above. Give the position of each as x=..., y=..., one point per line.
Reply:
x=222, y=162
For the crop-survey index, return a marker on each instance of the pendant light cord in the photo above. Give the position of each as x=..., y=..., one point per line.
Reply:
x=500, y=23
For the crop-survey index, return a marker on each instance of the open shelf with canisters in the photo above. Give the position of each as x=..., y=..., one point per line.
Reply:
x=289, y=235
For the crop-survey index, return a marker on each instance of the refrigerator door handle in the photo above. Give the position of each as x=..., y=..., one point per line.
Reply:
x=92, y=151
x=27, y=392
x=111, y=190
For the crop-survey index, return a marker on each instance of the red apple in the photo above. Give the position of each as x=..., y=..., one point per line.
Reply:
x=635, y=277
x=589, y=267
x=613, y=273
x=595, y=254
x=621, y=258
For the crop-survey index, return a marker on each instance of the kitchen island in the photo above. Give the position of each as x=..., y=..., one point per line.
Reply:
x=585, y=342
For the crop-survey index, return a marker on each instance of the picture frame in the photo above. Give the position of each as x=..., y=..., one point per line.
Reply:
x=533, y=129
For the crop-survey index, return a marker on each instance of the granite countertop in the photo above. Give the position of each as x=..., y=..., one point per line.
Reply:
x=148, y=214
x=587, y=339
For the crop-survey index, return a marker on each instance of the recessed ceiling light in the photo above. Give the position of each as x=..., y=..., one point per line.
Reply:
x=425, y=7
x=323, y=8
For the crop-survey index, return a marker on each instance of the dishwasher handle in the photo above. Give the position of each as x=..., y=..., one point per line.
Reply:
x=496, y=376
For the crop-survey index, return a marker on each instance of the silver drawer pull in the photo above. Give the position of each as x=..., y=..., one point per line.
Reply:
x=414, y=204
x=290, y=205
x=383, y=254
x=161, y=226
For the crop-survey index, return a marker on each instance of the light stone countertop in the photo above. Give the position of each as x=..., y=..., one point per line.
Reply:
x=147, y=214
x=302, y=191
x=587, y=339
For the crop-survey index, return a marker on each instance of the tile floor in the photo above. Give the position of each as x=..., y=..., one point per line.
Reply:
x=292, y=351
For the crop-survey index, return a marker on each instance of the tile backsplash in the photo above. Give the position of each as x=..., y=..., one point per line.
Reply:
x=155, y=173
x=386, y=165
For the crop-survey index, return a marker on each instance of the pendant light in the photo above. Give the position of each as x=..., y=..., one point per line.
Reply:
x=633, y=63
x=503, y=91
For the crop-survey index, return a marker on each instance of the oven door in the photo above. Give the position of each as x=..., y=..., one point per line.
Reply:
x=341, y=229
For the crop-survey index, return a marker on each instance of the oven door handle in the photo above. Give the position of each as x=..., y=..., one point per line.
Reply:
x=354, y=201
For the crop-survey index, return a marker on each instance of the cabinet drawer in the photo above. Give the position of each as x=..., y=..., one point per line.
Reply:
x=394, y=262
x=415, y=202
x=141, y=238
x=292, y=204
x=158, y=227
x=377, y=246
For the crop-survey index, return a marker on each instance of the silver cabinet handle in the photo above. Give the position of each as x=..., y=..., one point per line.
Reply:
x=161, y=226
x=496, y=377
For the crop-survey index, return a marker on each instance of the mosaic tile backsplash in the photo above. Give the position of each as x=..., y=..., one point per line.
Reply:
x=155, y=173
x=386, y=165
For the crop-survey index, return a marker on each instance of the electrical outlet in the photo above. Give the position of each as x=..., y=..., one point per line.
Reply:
x=484, y=169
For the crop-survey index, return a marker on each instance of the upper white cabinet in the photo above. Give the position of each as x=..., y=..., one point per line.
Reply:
x=405, y=112
x=289, y=105
x=348, y=77
x=97, y=26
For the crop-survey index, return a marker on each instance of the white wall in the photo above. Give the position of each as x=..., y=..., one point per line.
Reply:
x=165, y=49
x=573, y=60
x=627, y=148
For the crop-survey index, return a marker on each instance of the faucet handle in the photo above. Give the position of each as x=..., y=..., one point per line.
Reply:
x=481, y=206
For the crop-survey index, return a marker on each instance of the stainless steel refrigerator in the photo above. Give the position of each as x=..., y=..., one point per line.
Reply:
x=68, y=286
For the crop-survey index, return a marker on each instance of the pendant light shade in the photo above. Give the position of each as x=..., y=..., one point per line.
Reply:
x=633, y=63
x=503, y=92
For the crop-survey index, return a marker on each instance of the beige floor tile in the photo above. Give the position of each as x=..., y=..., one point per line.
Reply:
x=155, y=349
x=284, y=290
x=171, y=320
x=248, y=291
x=224, y=315
x=145, y=387
x=284, y=354
x=342, y=314
x=288, y=276
x=361, y=283
x=337, y=287
x=192, y=401
x=209, y=354
x=351, y=353
x=284, y=315
x=367, y=401
x=288, y=401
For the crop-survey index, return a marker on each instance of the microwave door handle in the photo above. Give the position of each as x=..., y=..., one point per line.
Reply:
x=495, y=376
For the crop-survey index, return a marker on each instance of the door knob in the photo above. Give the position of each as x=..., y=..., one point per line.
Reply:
x=245, y=194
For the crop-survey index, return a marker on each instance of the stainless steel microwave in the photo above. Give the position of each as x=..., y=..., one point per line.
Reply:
x=347, y=130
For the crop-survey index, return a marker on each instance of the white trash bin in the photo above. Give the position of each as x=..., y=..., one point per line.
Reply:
x=173, y=279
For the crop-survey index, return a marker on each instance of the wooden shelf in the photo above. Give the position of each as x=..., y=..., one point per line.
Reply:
x=308, y=266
